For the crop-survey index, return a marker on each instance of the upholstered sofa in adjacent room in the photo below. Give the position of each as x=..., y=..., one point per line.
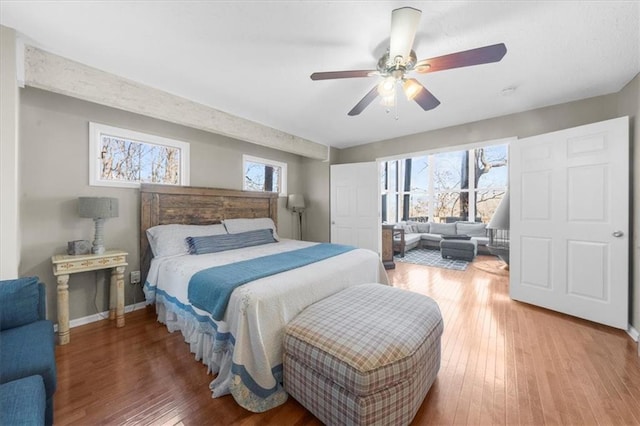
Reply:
x=27, y=354
x=429, y=235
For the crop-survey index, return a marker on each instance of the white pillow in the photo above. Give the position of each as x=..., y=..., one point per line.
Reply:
x=235, y=226
x=170, y=240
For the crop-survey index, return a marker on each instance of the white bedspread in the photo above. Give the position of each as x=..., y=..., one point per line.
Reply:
x=245, y=348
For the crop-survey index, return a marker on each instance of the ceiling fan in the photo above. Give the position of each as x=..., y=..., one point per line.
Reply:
x=400, y=60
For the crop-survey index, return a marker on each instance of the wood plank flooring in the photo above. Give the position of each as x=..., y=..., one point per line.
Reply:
x=503, y=362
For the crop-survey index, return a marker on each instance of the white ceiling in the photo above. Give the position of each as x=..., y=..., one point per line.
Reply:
x=253, y=58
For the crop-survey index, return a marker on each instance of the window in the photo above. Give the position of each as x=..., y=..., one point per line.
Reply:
x=451, y=186
x=492, y=179
x=125, y=158
x=416, y=189
x=264, y=175
x=445, y=187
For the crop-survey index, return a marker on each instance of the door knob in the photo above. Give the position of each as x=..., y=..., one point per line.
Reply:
x=618, y=234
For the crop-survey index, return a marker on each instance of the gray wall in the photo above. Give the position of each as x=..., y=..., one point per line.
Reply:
x=531, y=123
x=9, y=142
x=54, y=172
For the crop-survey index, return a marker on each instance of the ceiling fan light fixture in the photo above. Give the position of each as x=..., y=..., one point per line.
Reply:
x=388, y=101
x=387, y=87
x=411, y=88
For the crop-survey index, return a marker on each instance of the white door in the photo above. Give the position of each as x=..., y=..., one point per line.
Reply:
x=355, y=205
x=569, y=221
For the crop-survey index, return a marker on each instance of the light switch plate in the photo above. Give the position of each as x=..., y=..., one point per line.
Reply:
x=135, y=277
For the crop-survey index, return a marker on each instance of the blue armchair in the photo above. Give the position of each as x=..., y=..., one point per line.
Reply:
x=27, y=354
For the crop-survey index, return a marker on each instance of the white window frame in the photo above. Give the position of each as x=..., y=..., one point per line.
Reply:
x=266, y=162
x=96, y=130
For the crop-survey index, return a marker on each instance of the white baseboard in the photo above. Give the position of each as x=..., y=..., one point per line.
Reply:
x=100, y=316
x=635, y=335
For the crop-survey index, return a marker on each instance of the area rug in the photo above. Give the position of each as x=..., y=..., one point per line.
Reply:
x=428, y=257
x=496, y=267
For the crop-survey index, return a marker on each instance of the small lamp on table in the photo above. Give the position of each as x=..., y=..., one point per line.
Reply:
x=98, y=209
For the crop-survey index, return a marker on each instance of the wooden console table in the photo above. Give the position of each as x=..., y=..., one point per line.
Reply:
x=64, y=265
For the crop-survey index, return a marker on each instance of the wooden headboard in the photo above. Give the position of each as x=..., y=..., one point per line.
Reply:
x=165, y=204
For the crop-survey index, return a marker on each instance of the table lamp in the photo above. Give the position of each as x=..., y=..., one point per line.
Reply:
x=295, y=202
x=98, y=209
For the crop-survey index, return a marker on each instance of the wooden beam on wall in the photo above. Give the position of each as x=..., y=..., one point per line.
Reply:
x=44, y=70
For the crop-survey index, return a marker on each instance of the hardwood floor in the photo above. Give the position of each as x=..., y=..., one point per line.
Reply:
x=503, y=362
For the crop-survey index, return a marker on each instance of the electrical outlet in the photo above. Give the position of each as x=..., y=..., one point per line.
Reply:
x=135, y=277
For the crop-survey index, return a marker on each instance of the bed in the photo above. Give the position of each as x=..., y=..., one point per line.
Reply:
x=243, y=346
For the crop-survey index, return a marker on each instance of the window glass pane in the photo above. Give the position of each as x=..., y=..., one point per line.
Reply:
x=487, y=202
x=393, y=176
x=449, y=170
x=126, y=158
x=383, y=176
x=419, y=207
x=261, y=177
x=264, y=175
x=275, y=186
x=133, y=161
x=420, y=174
x=384, y=209
x=447, y=207
x=392, y=214
x=491, y=170
x=254, y=176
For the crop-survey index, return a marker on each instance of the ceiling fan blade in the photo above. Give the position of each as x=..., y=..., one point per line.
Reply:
x=404, y=24
x=364, y=102
x=481, y=55
x=424, y=98
x=342, y=74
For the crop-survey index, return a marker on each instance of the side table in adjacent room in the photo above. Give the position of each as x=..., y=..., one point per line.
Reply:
x=387, y=246
x=65, y=265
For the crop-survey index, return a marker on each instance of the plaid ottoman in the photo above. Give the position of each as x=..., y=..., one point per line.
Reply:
x=366, y=355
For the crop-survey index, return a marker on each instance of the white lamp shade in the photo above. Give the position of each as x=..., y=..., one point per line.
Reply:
x=97, y=207
x=500, y=219
x=295, y=202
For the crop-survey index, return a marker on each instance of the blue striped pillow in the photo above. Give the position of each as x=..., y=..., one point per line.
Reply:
x=222, y=242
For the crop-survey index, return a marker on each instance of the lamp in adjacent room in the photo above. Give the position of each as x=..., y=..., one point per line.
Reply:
x=499, y=231
x=295, y=203
x=98, y=209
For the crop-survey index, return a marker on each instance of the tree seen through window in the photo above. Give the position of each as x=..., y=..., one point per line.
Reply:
x=264, y=175
x=134, y=161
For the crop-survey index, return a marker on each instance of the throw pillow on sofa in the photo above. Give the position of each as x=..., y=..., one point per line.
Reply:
x=472, y=229
x=408, y=228
x=443, y=228
x=423, y=227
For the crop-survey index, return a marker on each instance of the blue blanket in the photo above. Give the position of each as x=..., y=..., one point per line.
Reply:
x=210, y=289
